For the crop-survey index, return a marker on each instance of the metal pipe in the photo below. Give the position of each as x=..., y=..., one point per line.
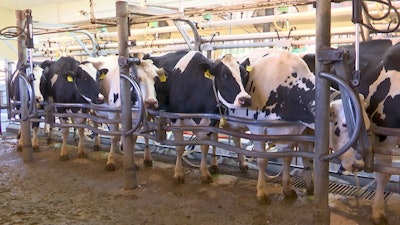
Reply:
x=130, y=181
x=321, y=214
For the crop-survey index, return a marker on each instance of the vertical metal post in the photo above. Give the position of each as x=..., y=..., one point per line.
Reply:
x=323, y=35
x=126, y=116
x=27, y=151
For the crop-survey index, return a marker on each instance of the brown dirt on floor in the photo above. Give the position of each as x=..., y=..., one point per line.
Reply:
x=79, y=191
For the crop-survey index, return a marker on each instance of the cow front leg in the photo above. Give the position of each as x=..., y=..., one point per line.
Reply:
x=378, y=206
x=243, y=165
x=35, y=139
x=262, y=193
x=97, y=142
x=147, y=160
x=205, y=174
x=81, y=144
x=214, y=158
x=179, y=174
x=288, y=190
x=110, y=165
x=64, y=151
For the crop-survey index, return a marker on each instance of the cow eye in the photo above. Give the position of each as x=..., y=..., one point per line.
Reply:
x=344, y=125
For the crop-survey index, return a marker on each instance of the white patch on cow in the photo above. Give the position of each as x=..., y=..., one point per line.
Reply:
x=54, y=79
x=37, y=72
x=146, y=73
x=336, y=142
x=184, y=61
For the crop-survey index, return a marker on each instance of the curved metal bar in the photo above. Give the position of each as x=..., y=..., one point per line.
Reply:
x=140, y=104
x=358, y=117
x=269, y=123
x=286, y=153
x=92, y=39
x=30, y=93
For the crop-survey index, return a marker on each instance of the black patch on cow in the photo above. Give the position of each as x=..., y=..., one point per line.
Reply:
x=294, y=74
x=337, y=131
x=116, y=96
x=379, y=95
x=291, y=103
x=225, y=82
x=391, y=60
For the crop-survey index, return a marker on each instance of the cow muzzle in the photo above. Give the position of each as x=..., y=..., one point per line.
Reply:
x=151, y=104
x=245, y=101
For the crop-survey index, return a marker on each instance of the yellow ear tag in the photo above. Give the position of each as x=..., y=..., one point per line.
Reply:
x=207, y=74
x=69, y=78
x=249, y=68
x=102, y=76
x=222, y=122
x=163, y=78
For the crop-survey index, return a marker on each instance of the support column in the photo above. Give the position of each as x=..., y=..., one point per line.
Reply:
x=126, y=116
x=27, y=151
x=321, y=172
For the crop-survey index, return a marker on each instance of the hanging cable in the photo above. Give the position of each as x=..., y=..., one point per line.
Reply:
x=387, y=13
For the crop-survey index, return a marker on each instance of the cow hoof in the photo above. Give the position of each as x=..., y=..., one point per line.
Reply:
x=244, y=169
x=82, y=155
x=36, y=148
x=214, y=169
x=148, y=163
x=110, y=167
x=264, y=199
x=382, y=220
x=291, y=194
x=206, y=180
x=310, y=191
x=96, y=148
x=64, y=157
x=179, y=180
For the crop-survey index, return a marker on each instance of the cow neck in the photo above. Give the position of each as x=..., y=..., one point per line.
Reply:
x=219, y=104
x=82, y=95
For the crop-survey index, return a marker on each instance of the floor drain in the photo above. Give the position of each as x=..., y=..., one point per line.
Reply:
x=343, y=189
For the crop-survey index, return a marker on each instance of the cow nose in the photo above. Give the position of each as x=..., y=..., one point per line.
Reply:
x=245, y=101
x=99, y=101
x=151, y=104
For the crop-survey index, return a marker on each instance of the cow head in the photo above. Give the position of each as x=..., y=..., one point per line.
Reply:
x=110, y=86
x=229, y=84
x=339, y=135
x=147, y=74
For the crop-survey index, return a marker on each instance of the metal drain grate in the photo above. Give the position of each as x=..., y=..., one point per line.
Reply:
x=343, y=189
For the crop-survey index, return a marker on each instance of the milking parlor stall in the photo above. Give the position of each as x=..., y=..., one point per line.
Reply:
x=199, y=112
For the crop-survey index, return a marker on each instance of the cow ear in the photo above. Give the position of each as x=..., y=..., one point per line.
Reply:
x=208, y=66
x=246, y=65
x=102, y=73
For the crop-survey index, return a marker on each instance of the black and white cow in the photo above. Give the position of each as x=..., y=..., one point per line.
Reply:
x=147, y=74
x=283, y=88
x=68, y=81
x=197, y=85
x=380, y=85
x=14, y=94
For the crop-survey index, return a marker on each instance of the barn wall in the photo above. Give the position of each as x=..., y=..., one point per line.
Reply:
x=7, y=18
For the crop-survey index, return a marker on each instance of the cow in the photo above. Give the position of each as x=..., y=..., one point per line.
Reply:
x=68, y=81
x=147, y=74
x=283, y=88
x=199, y=85
x=168, y=61
x=38, y=99
x=380, y=84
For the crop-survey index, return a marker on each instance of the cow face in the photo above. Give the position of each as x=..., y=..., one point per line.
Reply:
x=228, y=80
x=147, y=74
x=86, y=86
x=339, y=135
